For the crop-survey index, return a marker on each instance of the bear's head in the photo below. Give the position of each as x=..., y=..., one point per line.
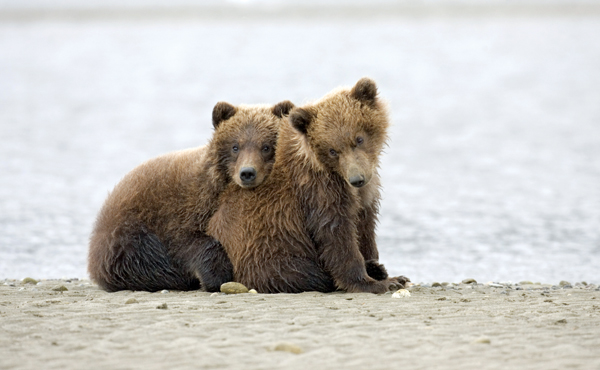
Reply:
x=245, y=139
x=346, y=131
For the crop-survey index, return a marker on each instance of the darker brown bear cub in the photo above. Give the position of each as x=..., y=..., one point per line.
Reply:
x=311, y=225
x=151, y=232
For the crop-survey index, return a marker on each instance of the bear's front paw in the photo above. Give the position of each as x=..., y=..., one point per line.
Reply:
x=401, y=281
x=376, y=270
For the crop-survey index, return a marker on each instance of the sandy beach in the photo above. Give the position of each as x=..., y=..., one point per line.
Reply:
x=463, y=326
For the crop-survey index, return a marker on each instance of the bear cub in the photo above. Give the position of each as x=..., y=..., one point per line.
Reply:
x=311, y=225
x=151, y=231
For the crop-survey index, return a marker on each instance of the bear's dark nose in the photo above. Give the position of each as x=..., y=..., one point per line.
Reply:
x=357, y=181
x=247, y=174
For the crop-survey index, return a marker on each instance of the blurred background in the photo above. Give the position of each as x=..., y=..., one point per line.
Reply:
x=493, y=165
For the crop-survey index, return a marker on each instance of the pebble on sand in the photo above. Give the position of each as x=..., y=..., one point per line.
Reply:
x=482, y=340
x=131, y=300
x=162, y=306
x=29, y=280
x=402, y=293
x=469, y=281
x=253, y=291
x=288, y=347
x=233, y=288
x=563, y=283
x=61, y=289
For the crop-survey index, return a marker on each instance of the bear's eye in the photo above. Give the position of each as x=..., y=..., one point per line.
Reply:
x=266, y=148
x=235, y=149
x=332, y=152
x=359, y=140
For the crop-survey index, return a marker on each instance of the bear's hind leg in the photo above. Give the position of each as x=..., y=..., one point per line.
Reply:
x=143, y=263
x=292, y=275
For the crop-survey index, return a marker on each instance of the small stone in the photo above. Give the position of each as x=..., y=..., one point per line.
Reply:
x=442, y=299
x=563, y=321
x=131, y=300
x=215, y=294
x=402, y=293
x=563, y=283
x=518, y=288
x=162, y=306
x=482, y=340
x=469, y=281
x=29, y=280
x=253, y=291
x=526, y=282
x=445, y=283
x=61, y=289
x=288, y=347
x=436, y=284
x=233, y=288
x=584, y=283
x=164, y=291
x=493, y=285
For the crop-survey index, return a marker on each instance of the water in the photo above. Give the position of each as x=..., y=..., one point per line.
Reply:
x=493, y=164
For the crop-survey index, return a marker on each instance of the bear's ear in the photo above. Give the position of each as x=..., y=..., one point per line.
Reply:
x=222, y=112
x=282, y=108
x=301, y=119
x=365, y=91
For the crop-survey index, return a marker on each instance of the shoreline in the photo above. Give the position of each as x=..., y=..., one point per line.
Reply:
x=463, y=326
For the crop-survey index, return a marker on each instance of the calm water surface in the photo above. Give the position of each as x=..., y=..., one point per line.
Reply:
x=493, y=164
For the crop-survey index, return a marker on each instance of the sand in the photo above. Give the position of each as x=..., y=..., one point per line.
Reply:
x=457, y=327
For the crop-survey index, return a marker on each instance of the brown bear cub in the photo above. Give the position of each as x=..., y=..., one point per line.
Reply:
x=311, y=225
x=151, y=232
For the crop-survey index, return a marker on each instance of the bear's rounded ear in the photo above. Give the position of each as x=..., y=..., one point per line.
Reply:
x=365, y=91
x=301, y=119
x=222, y=112
x=282, y=108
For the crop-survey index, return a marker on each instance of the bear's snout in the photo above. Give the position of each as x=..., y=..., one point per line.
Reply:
x=357, y=181
x=247, y=175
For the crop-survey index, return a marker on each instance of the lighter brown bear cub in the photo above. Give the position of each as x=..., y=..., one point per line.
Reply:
x=151, y=232
x=311, y=225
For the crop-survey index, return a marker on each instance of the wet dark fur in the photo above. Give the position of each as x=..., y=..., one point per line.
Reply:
x=150, y=233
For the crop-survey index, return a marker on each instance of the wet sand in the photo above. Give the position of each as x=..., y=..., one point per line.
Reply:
x=455, y=327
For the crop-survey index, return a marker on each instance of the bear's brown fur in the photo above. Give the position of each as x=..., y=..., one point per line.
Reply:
x=150, y=233
x=311, y=225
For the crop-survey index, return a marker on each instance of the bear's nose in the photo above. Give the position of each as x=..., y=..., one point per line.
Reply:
x=357, y=181
x=247, y=174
